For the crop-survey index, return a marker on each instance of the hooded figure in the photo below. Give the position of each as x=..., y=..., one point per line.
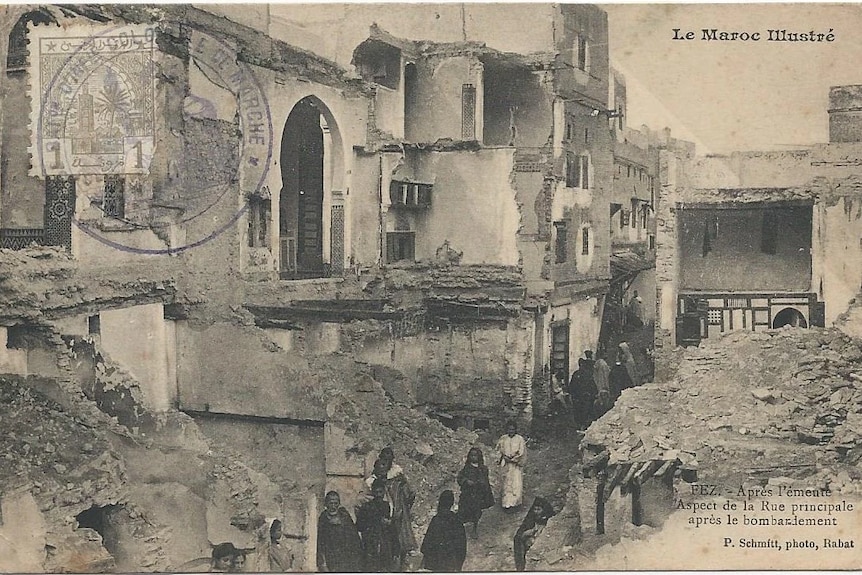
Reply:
x=533, y=524
x=601, y=376
x=376, y=528
x=339, y=549
x=628, y=360
x=273, y=555
x=445, y=545
x=476, y=493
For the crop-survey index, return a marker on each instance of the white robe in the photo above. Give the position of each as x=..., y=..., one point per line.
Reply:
x=515, y=448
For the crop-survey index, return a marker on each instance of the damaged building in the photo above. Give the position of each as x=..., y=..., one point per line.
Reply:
x=760, y=240
x=231, y=255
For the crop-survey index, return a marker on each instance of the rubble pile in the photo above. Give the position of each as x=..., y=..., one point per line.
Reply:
x=430, y=453
x=46, y=281
x=59, y=447
x=787, y=400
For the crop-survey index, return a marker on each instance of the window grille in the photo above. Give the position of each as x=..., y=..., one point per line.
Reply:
x=114, y=199
x=468, y=112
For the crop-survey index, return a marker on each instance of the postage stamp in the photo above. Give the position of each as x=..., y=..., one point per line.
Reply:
x=93, y=100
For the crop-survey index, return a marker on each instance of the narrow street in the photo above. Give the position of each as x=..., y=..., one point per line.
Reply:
x=552, y=451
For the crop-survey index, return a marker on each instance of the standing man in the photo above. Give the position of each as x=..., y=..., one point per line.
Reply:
x=513, y=452
x=401, y=496
x=635, y=315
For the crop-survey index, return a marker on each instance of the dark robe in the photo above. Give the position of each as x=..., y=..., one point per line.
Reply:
x=379, y=539
x=476, y=493
x=582, y=389
x=619, y=380
x=530, y=528
x=445, y=545
x=339, y=549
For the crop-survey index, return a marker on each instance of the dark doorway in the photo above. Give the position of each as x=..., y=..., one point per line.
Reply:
x=302, y=174
x=789, y=316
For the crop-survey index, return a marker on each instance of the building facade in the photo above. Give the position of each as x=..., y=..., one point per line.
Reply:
x=760, y=240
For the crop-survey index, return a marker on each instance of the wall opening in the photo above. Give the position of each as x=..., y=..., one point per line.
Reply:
x=412, y=110
x=102, y=520
x=789, y=316
x=310, y=170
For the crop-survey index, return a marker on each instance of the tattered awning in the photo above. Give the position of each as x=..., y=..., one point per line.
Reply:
x=626, y=264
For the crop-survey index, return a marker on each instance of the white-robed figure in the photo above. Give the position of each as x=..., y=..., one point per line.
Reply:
x=513, y=452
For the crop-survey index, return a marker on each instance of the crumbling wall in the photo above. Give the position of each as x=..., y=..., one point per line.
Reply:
x=477, y=368
x=438, y=93
x=256, y=378
x=466, y=207
x=518, y=107
x=590, y=22
x=845, y=119
x=837, y=253
x=666, y=265
x=23, y=196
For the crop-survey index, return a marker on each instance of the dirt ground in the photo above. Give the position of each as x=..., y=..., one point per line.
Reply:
x=552, y=449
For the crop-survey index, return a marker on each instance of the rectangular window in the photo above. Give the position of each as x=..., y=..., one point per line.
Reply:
x=560, y=349
x=114, y=199
x=258, y=222
x=585, y=240
x=560, y=244
x=410, y=194
x=573, y=170
x=583, y=57
x=586, y=135
x=569, y=131
x=585, y=172
x=468, y=112
x=400, y=246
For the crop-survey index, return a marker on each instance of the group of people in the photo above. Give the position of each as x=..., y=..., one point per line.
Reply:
x=381, y=539
x=594, y=386
x=273, y=556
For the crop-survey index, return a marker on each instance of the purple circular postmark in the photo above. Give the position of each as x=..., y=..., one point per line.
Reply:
x=98, y=116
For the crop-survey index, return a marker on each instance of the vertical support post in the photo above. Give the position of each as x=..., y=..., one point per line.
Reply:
x=601, y=480
x=637, y=507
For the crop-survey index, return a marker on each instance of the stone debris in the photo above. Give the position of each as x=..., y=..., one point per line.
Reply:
x=746, y=401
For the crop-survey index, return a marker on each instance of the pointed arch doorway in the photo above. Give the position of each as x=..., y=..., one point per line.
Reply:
x=311, y=216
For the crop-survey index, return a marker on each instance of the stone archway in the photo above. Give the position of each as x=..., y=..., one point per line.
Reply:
x=311, y=209
x=789, y=316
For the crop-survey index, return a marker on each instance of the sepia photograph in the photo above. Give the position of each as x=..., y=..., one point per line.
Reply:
x=430, y=287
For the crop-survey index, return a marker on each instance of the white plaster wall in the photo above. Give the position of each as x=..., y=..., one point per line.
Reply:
x=585, y=321
x=346, y=117
x=389, y=110
x=836, y=257
x=11, y=360
x=137, y=338
x=75, y=325
x=22, y=534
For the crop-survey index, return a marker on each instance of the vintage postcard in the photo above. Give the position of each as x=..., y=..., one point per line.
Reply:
x=430, y=287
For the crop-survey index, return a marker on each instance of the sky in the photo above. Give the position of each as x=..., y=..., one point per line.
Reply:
x=738, y=95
